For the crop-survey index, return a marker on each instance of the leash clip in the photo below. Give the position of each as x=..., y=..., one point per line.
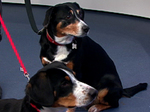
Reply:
x=25, y=73
x=27, y=76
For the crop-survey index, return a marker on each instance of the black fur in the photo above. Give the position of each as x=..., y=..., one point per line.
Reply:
x=53, y=16
x=91, y=63
x=40, y=90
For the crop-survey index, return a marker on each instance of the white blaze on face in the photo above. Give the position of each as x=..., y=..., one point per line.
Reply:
x=81, y=91
x=80, y=25
x=80, y=28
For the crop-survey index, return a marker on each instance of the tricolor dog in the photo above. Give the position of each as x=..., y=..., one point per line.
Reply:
x=63, y=25
x=52, y=86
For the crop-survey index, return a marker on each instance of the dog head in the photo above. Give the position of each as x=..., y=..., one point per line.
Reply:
x=56, y=86
x=64, y=21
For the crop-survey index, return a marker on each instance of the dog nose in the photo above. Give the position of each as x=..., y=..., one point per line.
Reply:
x=93, y=94
x=85, y=28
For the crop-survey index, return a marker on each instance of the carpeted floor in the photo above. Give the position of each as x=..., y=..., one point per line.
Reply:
x=125, y=38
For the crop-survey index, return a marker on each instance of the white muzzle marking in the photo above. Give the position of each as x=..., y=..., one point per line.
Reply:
x=81, y=91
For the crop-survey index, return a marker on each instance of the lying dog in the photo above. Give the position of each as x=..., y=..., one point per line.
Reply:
x=52, y=86
x=63, y=24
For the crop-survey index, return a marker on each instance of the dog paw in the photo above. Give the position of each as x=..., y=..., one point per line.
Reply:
x=93, y=109
x=45, y=61
x=70, y=110
x=98, y=108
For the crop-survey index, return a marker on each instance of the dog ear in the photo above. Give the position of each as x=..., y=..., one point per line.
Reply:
x=47, y=17
x=82, y=14
x=82, y=11
x=40, y=90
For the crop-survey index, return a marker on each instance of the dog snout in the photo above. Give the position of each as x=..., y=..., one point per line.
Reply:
x=93, y=93
x=85, y=29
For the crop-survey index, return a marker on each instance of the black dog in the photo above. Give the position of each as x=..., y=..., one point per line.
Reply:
x=61, y=25
x=59, y=42
x=52, y=86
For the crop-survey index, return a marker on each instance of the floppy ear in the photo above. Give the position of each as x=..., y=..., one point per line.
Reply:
x=40, y=90
x=82, y=11
x=47, y=17
x=82, y=14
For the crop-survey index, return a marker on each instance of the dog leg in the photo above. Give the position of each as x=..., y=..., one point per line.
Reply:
x=99, y=104
x=98, y=108
x=45, y=61
x=70, y=65
x=70, y=110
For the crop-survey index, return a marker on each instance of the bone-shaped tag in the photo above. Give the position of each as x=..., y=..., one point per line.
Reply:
x=74, y=46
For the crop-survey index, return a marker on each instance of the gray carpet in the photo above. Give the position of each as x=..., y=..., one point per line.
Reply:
x=125, y=38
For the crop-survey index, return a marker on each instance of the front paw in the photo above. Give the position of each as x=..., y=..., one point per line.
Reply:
x=70, y=110
x=93, y=109
x=45, y=61
x=98, y=108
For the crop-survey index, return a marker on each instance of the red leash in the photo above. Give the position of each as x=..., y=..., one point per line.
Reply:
x=14, y=48
x=32, y=105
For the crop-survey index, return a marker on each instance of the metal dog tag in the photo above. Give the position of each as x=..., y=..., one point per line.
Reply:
x=74, y=46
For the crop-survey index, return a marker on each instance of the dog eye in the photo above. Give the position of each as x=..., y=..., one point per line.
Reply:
x=65, y=83
x=69, y=16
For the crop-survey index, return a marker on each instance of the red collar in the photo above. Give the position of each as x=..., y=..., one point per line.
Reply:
x=51, y=40
x=34, y=106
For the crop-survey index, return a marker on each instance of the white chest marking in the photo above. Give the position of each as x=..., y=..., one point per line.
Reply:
x=61, y=53
x=64, y=40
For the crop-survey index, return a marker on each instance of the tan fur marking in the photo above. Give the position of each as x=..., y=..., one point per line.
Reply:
x=28, y=86
x=70, y=29
x=99, y=107
x=71, y=12
x=59, y=30
x=70, y=110
x=70, y=65
x=43, y=76
x=99, y=102
x=44, y=62
x=101, y=94
x=67, y=78
x=55, y=93
x=68, y=101
x=78, y=11
x=100, y=98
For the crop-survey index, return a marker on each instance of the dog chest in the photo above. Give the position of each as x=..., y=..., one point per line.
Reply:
x=61, y=53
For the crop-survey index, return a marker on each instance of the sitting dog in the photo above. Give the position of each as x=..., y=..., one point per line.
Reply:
x=52, y=86
x=63, y=25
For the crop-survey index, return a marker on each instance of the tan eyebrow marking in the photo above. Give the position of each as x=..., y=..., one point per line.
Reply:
x=67, y=78
x=78, y=11
x=71, y=11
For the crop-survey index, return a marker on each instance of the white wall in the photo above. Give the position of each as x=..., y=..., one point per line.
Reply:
x=131, y=7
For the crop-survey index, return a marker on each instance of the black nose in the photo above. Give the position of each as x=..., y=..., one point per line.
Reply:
x=93, y=95
x=85, y=28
